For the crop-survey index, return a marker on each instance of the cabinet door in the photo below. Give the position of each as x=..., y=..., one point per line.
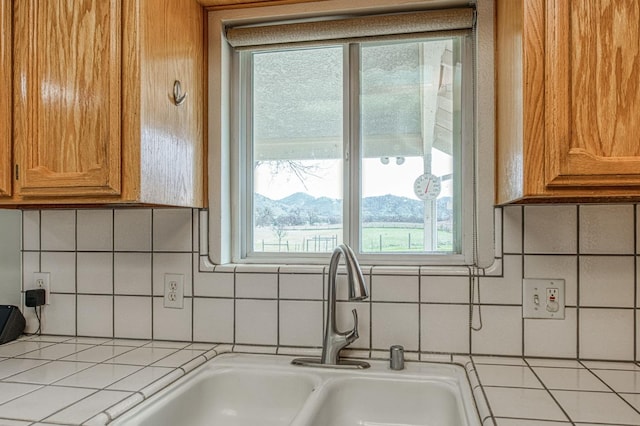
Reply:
x=592, y=94
x=67, y=97
x=171, y=46
x=6, y=165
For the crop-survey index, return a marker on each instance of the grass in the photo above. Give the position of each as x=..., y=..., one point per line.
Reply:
x=396, y=238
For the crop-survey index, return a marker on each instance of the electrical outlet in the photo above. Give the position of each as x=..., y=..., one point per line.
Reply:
x=42, y=280
x=543, y=298
x=174, y=291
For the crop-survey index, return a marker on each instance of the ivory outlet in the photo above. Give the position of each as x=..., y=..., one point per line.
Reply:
x=174, y=291
x=543, y=298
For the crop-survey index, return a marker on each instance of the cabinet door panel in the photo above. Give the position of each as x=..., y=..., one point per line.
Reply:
x=171, y=133
x=67, y=97
x=6, y=165
x=593, y=93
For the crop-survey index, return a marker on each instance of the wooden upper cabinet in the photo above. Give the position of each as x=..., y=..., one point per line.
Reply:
x=223, y=4
x=164, y=92
x=6, y=165
x=67, y=97
x=95, y=114
x=567, y=100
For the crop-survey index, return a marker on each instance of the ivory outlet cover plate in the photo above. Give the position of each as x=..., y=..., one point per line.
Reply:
x=535, y=292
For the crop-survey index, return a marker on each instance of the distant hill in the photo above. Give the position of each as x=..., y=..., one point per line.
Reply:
x=301, y=209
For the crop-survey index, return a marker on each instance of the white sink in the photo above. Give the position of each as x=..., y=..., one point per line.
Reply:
x=386, y=402
x=243, y=390
x=230, y=397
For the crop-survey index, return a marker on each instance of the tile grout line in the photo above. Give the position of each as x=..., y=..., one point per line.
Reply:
x=484, y=394
x=548, y=391
x=608, y=386
x=578, y=281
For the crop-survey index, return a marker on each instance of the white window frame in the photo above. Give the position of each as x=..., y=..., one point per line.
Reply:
x=226, y=134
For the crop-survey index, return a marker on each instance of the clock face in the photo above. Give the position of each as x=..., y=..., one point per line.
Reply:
x=427, y=187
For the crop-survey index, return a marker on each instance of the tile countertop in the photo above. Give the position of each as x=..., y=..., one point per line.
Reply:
x=47, y=380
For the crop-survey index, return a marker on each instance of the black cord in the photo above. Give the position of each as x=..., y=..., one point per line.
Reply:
x=38, y=316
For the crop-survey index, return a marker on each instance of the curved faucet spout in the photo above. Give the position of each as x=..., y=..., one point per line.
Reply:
x=334, y=340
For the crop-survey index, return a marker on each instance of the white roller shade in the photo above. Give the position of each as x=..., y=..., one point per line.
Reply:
x=359, y=28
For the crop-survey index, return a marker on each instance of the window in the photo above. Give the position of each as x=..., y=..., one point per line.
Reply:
x=367, y=141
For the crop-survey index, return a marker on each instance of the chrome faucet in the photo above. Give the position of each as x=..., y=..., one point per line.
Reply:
x=334, y=341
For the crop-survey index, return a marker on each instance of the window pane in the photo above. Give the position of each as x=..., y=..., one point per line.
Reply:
x=410, y=131
x=297, y=150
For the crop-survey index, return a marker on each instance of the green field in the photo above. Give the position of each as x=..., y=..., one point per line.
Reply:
x=395, y=238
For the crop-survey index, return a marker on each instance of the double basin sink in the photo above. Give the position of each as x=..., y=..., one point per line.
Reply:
x=242, y=390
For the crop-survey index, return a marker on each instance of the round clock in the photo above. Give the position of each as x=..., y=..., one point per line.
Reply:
x=427, y=187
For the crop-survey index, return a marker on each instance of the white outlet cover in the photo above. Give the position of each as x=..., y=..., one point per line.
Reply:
x=536, y=289
x=174, y=291
x=42, y=280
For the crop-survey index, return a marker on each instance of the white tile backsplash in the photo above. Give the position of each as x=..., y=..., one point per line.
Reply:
x=256, y=286
x=301, y=286
x=604, y=229
x=213, y=320
x=132, y=273
x=607, y=281
x=172, y=263
x=552, y=338
x=397, y=288
x=605, y=334
x=501, y=331
x=132, y=317
x=95, y=273
x=95, y=230
x=172, y=230
x=550, y=229
x=62, y=267
x=301, y=323
x=395, y=324
x=171, y=323
x=512, y=229
x=132, y=230
x=444, y=328
x=58, y=230
x=95, y=315
x=120, y=256
x=506, y=289
x=256, y=322
x=31, y=230
x=555, y=266
x=437, y=289
x=213, y=285
x=60, y=316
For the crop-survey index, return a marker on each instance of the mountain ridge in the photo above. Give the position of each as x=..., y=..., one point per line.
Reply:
x=300, y=208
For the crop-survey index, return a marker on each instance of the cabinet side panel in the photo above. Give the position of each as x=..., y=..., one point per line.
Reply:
x=509, y=111
x=131, y=100
x=6, y=162
x=172, y=139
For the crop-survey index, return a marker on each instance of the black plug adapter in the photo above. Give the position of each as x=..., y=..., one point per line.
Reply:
x=33, y=298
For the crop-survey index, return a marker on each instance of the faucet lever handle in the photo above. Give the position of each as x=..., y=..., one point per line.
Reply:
x=353, y=335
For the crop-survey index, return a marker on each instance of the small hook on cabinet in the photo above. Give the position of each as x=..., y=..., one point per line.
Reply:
x=178, y=96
